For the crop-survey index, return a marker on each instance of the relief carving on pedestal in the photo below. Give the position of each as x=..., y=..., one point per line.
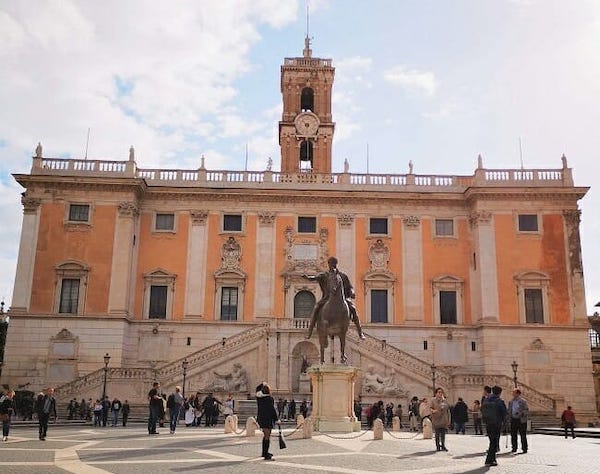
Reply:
x=376, y=384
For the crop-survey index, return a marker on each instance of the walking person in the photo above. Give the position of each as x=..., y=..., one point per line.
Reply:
x=7, y=409
x=174, y=405
x=493, y=413
x=115, y=408
x=460, y=416
x=518, y=411
x=45, y=407
x=476, y=411
x=106, y=404
x=440, y=418
x=413, y=414
x=155, y=407
x=126, y=408
x=98, y=413
x=568, y=419
x=266, y=418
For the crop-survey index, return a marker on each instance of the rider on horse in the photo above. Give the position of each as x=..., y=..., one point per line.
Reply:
x=322, y=278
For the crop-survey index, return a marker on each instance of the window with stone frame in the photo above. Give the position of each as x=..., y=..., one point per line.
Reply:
x=378, y=226
x=448, y=307
x=307, y=225
x=528, y=223
x=534, y=305
x=304, y=302
x=229, y=303
x=79, y=213
x=532, y=294
x=448, y=302
x=307, y=100
x=232, y=222
x=70, y=290
x=159, y=290
x=158, y=302
x=164, y=222
x=379, y=306
x=444, y=228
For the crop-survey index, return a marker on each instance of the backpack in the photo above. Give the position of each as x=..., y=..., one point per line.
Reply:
x=171, y=401
x=489, y=411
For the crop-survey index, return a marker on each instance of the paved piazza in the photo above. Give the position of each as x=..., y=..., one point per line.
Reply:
x=131, y=450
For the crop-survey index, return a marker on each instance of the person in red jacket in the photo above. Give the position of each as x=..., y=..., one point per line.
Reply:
x=568, y=419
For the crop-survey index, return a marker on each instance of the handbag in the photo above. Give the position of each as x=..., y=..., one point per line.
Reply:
x=282, y=444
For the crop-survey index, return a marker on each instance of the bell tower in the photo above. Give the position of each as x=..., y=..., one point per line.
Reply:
x=306, y=128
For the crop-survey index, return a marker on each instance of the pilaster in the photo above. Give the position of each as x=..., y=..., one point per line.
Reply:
x=485, y=272
x=26, y=260
x=122, y=260
x=195, y=283
x=265, y=277
x=345, y=245
x=412, y=268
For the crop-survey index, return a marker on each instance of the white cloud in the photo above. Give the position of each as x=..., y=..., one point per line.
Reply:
x=412, y=80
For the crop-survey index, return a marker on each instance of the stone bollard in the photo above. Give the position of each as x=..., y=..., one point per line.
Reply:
x=395, y=424
x=427, y=429
x=307, y=428
x=250, y=426
x=378, y=429
x=299, y=420
x=235, y=422
x=229, y=424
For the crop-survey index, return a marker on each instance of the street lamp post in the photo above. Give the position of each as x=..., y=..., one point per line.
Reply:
x=184, y=364
x=106, y=361
x=433, y=367
x=514, y=366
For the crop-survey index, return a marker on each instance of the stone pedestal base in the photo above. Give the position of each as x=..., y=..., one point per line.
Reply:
x=304, y=384
x=333, y=398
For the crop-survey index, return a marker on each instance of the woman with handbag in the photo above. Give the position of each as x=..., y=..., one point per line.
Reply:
x=7, y=408
x=267, y=417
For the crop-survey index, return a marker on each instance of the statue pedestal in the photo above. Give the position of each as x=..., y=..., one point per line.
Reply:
x=333, y=398
x=304, y=384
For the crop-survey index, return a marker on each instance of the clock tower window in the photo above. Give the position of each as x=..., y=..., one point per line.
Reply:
x=306, y=155
x=307, y=100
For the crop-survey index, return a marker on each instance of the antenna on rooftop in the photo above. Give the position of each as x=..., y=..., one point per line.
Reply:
x=87, y=142
x=246, y=164
x=307, y=52
x=367, y=157
x=521, y=152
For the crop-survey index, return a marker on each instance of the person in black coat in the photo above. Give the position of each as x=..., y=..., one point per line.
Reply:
x=266, y=418
x=45, y=407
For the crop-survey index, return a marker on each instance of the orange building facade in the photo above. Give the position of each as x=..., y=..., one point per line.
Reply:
x=456, y=277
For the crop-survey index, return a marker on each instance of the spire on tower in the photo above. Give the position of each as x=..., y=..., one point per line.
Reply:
x=307, y=52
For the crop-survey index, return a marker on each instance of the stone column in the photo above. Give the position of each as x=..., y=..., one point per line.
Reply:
x=26, y=260
x=195, y=283
x=345, y=245
x=122, y=259
x=574, y=265
x=485, y=273
x=265, y=277
x=412, y=269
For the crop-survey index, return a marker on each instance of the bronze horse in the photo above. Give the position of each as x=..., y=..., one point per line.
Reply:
x=334, y=317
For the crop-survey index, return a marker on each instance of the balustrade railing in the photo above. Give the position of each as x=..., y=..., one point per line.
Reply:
x=223, y=178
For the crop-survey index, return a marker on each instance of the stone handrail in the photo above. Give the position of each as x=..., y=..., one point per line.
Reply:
x=530, y=394
x=167, y=372
x=401, y=358
x=174, y=369
x=274, y=179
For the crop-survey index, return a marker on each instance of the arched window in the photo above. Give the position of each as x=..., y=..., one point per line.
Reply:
x=304, y=301
x=306, y=155
x=307, y=100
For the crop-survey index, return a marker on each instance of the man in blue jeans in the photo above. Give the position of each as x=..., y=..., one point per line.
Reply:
x=155, y=407
x=175, y=404
x=493, y=422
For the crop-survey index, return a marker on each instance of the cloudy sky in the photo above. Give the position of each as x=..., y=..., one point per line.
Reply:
x=435, y=82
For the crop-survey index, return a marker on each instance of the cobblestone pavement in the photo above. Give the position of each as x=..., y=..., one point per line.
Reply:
x=87, y=450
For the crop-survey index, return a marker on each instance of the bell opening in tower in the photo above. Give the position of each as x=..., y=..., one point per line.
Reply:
x=307, y=100
x=306, y=156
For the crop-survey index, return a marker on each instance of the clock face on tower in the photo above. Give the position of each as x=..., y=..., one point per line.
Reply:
x=307, y=124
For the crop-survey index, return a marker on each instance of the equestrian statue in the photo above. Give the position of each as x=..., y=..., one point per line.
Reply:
x=333, y=312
